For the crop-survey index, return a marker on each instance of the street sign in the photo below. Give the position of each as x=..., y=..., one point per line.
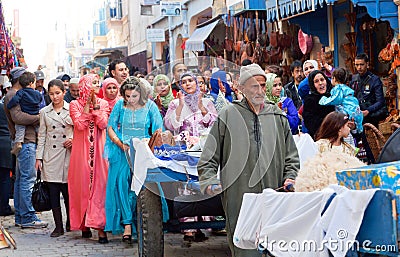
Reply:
x=170, y=8
x=155, y=35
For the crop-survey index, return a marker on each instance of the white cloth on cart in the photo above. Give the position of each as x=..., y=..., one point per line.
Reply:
x=145, y=159
x=342, y=220
x=290, y=224
x=279, y=216
x=306, y=147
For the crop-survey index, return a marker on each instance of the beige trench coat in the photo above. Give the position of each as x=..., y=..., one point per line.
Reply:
x=54, y=130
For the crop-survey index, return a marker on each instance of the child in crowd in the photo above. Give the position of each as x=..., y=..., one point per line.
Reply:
x=332, y=149
x=342, y=96
x=28, y=99
x=334, y=129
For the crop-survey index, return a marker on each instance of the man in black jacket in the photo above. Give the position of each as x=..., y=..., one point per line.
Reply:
x=296, y=69
x=368, y=89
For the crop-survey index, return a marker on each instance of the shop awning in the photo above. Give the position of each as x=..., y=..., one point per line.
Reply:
x=119, y=52
x=384, y=10
x=196, y=40
x=137, y=61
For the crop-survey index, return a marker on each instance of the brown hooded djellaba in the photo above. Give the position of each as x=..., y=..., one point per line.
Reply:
x=253, y=152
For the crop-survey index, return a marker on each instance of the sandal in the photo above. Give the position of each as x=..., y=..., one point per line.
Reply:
x=127, y=238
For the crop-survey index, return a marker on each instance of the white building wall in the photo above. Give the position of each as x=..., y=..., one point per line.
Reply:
x=137, y=27
x=194, y=8
x=232, y=2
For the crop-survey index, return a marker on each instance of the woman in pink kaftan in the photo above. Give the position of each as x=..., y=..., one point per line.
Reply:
x=110, y=89
x=87, y=174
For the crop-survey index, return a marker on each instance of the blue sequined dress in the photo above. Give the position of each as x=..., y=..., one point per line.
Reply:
x=120, y=204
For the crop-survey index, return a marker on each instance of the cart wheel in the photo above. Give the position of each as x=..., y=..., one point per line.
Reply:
x=149, y=223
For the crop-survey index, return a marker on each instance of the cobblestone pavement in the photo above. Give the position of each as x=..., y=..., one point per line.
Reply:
x=37, y=242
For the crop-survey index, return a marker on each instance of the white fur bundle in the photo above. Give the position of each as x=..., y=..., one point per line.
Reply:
x=320, y=171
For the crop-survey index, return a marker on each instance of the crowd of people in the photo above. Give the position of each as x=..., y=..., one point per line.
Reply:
x=77, y=133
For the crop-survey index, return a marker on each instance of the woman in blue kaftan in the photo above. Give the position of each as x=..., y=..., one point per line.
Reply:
x=132, y=117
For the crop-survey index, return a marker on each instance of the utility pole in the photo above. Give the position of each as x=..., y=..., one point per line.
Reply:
x=171, y=44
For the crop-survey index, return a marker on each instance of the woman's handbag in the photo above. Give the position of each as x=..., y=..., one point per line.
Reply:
x=159, y=138
x=40, y=195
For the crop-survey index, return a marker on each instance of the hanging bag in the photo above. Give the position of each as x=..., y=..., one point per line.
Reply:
x=305, y=42
x=228, y=41
x=274, y=35
x=155, y=140
x=386, y=54
x=40, y=195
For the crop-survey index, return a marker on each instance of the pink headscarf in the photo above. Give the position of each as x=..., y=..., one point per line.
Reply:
x=106, y=83
x=85, y=84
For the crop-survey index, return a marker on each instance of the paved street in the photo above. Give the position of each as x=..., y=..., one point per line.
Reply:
x=37, y=242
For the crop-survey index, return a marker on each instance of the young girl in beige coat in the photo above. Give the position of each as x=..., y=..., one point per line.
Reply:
x=54, y=149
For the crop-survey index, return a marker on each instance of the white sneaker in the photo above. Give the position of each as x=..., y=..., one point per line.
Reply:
x=35, y=224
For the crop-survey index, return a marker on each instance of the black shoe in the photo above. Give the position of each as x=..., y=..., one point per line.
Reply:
x=200, y=237
x=67, y=227
x=57, y=232
x=7, y=213
x=103, y=240
x=86, y=234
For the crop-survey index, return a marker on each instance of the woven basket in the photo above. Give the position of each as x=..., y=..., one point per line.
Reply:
x=385, y=127
x=375, y=139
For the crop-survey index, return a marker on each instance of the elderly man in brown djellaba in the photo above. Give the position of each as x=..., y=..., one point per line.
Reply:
x=252, y=148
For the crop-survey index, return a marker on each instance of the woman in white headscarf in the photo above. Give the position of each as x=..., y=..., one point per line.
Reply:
x=308, y=67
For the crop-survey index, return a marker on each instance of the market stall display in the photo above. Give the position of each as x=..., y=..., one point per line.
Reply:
x=9, y=55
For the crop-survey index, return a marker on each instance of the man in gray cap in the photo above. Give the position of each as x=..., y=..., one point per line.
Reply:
x=25, y=171
x=39, y=87
x=252, y=147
